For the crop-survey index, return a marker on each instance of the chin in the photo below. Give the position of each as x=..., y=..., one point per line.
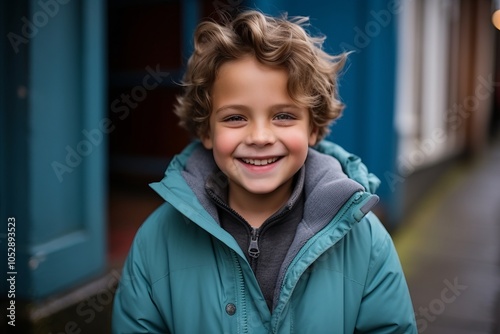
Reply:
x=262, y=189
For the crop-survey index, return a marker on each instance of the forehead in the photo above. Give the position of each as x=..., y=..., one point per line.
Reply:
x=248, y=65
x=246, y=78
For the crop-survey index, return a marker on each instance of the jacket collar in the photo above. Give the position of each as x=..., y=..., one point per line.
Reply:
x=333, y=177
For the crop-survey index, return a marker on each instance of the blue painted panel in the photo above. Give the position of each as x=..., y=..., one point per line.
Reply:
x=95, y=120
x=14, y=185
x=61, y=218
x=56, y=123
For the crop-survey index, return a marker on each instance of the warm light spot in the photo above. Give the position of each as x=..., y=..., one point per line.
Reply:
x=496, y=19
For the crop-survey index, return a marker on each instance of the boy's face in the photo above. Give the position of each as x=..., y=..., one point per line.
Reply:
x=259, y=137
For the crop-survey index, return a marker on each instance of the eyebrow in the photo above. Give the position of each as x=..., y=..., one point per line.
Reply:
x=232, y=106
x=286, y=105
x=244, y=108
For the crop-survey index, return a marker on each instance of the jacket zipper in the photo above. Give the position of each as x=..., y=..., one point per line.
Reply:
x=241, y=292
x=253, y=248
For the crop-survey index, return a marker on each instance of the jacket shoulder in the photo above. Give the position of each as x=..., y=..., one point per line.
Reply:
x=155, y=229
x=371, y=233
x=159, y=222
x=378, y=233
x=376, y=242
x=156, y=241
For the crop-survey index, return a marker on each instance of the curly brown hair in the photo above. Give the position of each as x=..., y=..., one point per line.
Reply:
x=281, y=42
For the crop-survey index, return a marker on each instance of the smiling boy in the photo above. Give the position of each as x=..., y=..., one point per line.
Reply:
x=266, y=227
x=258, y=135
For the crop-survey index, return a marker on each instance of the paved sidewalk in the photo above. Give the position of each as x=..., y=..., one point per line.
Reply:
x=450, y=251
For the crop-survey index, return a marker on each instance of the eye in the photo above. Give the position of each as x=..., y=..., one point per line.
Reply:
x=234, y=118
x=284, y=117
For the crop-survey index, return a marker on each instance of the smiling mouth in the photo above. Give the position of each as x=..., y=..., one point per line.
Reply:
x=260, y=162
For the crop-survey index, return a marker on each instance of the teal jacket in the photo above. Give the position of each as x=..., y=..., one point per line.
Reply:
x=185, y=274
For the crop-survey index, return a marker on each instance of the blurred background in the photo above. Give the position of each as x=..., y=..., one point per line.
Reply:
x=86, y=122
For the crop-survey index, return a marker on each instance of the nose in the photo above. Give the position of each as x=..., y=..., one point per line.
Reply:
x=260, y=134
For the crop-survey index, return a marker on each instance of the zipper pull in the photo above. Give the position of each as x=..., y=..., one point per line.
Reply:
x=253, y=249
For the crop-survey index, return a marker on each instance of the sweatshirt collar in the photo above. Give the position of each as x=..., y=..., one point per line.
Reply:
x=217, y=186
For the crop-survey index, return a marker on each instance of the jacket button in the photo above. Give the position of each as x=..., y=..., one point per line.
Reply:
x=230, y=309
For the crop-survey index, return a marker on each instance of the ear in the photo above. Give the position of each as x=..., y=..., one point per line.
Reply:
x=207, y=142
x=313, y=136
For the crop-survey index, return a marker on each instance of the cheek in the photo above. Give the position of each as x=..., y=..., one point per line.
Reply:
x=224, y=143
x=298, y=143
x=223, y=149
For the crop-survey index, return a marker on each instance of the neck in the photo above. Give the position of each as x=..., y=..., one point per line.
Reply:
x=256, y=208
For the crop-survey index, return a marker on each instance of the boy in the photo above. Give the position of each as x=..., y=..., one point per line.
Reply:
x=261, y=232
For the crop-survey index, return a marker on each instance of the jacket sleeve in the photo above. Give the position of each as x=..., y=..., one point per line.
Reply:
x=386, y=306
x=134, y=311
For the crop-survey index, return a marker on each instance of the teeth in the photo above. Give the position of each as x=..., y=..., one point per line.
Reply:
x=259, y=162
